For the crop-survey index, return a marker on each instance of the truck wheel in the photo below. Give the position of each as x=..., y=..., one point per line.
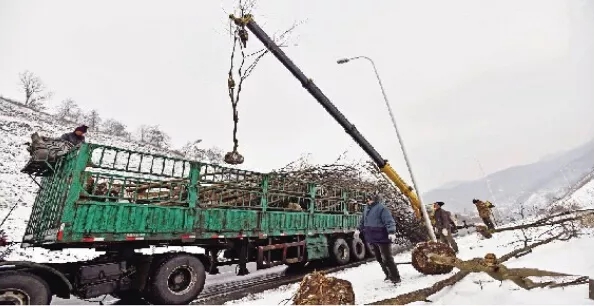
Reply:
x=341, y=252
x=22, y=288
x=177, y=280
x=358, y=249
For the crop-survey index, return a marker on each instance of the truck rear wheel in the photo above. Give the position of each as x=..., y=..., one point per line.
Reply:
x=341, y=252
x=177, y=280
x=358, y=249
x=22, y=288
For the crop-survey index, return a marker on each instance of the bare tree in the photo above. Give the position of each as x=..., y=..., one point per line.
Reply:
x=191, y=150
x=93, y=119
x=153, y=135
x=67, y=110
x=34, y=89
x=143, y=132
x=77, y=115
x=115, y=128
x=247, y=61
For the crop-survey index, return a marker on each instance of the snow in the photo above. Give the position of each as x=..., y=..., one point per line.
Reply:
x=584, y=196
x=559, y=256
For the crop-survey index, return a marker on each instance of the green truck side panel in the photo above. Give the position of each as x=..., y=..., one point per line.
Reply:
x=118, y=220
x=200, y=200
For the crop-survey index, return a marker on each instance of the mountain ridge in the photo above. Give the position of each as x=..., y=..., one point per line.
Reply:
x=552, y=174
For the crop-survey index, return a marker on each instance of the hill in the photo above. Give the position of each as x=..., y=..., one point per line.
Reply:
x=17, y=123
x=548, y=179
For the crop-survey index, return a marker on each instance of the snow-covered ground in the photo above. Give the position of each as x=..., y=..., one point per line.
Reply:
x=571, y=257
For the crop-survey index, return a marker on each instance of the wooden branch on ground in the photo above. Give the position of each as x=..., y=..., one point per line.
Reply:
x=424, y=293
x=491, y=266
x=547, y=221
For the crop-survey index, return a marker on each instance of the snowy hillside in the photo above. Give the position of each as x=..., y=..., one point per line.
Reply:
x=16, y=125
x=541, y=182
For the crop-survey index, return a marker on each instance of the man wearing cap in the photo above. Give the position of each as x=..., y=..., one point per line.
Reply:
x=379, y=229
x=443, y=224
x=484, y=210
x=77, y=137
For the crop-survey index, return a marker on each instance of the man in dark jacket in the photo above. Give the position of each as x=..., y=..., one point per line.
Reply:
x=443, y=224
x=77, y=137
x=379, y=230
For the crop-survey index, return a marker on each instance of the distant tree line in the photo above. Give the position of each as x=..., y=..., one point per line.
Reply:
x=36, y=97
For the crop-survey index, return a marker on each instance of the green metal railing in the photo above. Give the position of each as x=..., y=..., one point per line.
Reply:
x=49, y=203
x=98, y=174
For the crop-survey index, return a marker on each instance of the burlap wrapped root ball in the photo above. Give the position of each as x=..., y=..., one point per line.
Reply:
x=422, y=263
x=318, y=289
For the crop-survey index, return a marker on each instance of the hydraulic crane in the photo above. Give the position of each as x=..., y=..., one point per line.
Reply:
x=421, y=213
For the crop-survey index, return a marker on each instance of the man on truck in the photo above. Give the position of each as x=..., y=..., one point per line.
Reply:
x=77, y=137
x=443, y=223
x=379, y=230
x=484, y=210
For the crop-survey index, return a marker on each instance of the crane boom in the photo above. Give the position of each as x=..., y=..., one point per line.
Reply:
x=350, y=129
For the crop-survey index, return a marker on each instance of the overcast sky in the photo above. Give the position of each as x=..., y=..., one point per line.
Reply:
x=506, y=82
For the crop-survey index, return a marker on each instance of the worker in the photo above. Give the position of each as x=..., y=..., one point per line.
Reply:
x=443, y=223
x=379, y=230
x=77, y=137
x=484, y=210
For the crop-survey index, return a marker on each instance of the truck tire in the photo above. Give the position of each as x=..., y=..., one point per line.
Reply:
x=357, y=249
x=341, y=252
x=22, y=288
x=177, y=280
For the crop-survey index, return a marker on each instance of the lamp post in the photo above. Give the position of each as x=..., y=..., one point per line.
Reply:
x=488, y=187
x=410, y=172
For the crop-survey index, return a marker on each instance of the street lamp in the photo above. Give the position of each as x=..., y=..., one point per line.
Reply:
x=487, y=181
x=410, y=172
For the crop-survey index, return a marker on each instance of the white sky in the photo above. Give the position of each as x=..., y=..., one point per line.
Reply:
x=505, y=81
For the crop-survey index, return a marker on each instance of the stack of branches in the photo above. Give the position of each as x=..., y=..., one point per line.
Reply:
x=107, y=189
x=360, y=178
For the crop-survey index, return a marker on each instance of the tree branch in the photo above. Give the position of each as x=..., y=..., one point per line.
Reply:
x=475, y=265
